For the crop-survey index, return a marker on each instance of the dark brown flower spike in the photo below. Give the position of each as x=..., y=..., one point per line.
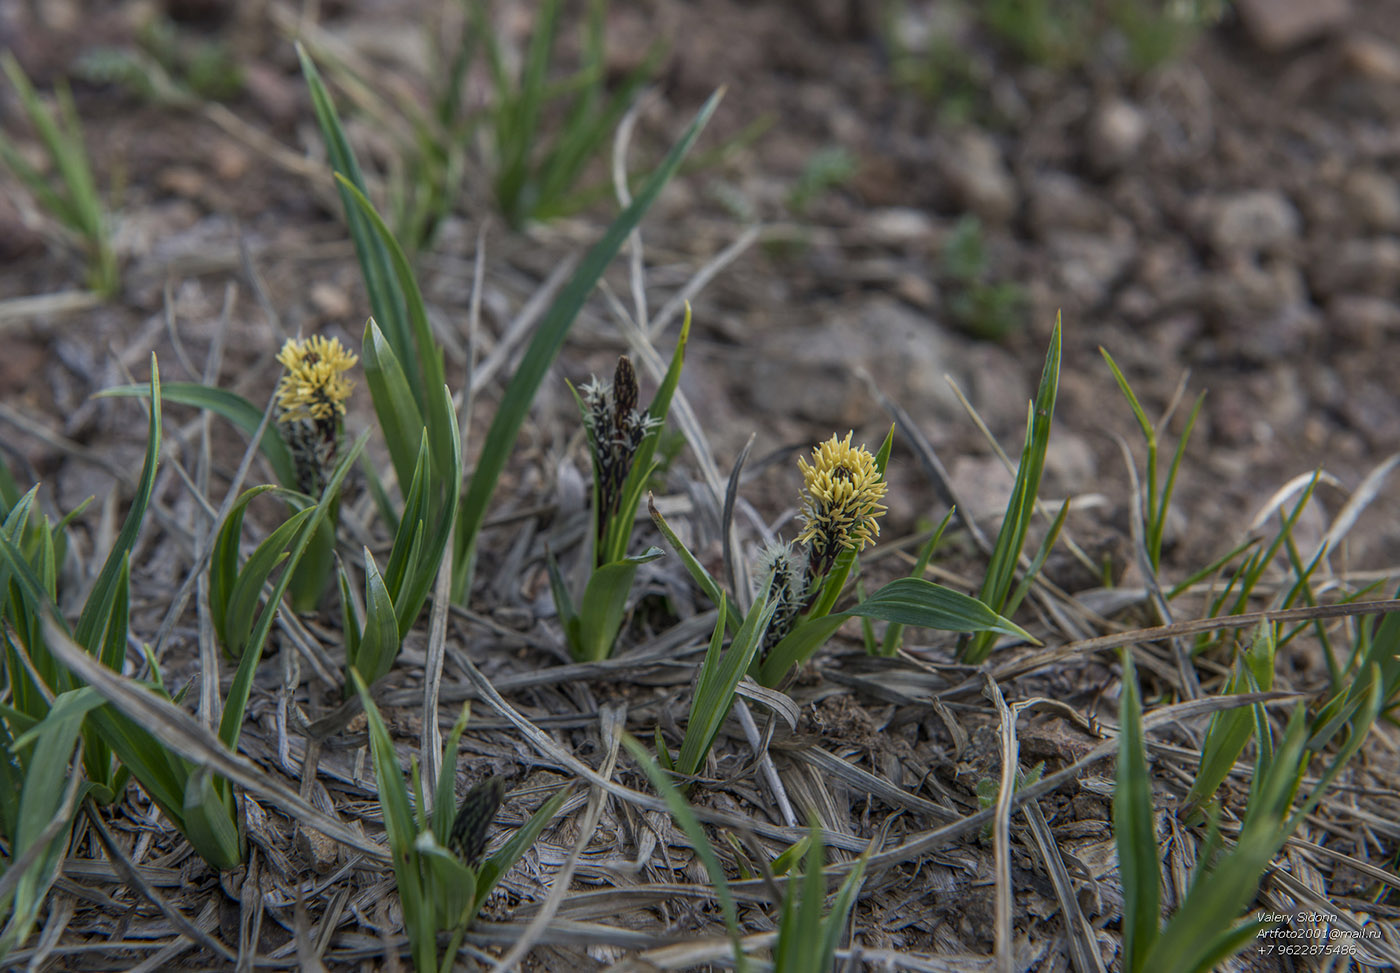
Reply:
x=472, y=826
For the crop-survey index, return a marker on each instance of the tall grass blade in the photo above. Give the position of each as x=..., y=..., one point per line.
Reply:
x=1135, y=830
x=549, y=338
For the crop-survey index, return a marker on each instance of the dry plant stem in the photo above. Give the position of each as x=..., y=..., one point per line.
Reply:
x=765, y=763
x=1044, y=657
x=430, y=744
x=1365, y=493
x=928, y=841
x=612, y=722
x=673, y=308
x=1186, y=671
x=19, y=311
x=1001, y=831
x=131, y=875
x=520, y=328
x=636, y=274
x=184, y=735
x=1083, y=946
x=547, y=748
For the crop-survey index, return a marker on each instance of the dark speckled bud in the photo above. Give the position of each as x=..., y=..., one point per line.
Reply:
x=473, y=823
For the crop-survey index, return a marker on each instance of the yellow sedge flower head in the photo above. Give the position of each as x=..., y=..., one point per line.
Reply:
x=841, y=494
x=314, y=385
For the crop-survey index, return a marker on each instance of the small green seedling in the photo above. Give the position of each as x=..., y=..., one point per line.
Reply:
x=443, y=874
x=70, y=195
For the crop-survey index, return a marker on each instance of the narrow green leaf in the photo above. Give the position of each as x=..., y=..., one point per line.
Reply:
x=230, y=406
x=231, y=723
x=690, y=824
x=697, y=570
x=99, y=606
x=209, y=822
x=223, y=561
x=1135, y=831
x=605, y=605
x=549, y=338
x=400, y=419
x=495, y=867
x=385, y=297
x=915, y=601
x=714, y=695
x=380, y=642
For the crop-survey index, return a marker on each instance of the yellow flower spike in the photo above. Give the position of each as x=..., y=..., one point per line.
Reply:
x=841, y=494
x=314, y=386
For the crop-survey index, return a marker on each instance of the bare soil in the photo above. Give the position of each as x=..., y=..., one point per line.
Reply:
x=1227, y=223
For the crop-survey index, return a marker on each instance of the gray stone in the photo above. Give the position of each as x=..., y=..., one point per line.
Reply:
x=1254, y=221
x=973, y=166
x=1367, y=266
x=1087, y=266
x=1058, y=201
x=1277, y=25
x=1115, y=135
x=1373, y=199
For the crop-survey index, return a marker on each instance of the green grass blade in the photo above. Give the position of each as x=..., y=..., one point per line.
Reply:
x=493, y=869
x=428, y=375
x=445, y=794
x=247, y=590
x=232, y=722
x=714, y=696
x=690, y=824
x=549, y=338
x=894, y=632
x=230, y=406
x=400, y=831
x=380, y=642
x=223, y=561
x=604, y=605
x=915, y=601
x=98, y=609
x=1135, y=830
x=394, y=403
x=385, y=298
x=697, y=570
x=1015, y=524
x=797, y=647
x=209, y=821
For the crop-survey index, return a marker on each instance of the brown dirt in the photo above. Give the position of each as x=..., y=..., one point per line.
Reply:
x=1245, y=237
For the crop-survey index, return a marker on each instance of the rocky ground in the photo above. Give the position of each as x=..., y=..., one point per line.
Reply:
x=1228, y=222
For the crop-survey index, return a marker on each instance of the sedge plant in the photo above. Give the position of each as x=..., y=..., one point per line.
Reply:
x=843, y=487
x=1210, y=925
x=622, y=441
x=1000, y=591
x=69, y=194
x=41, y=783
x=403, y=343
x=808, y=931
x=198, y=803
x=440, y=866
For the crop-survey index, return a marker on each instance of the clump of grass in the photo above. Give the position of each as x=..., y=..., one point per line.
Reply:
x=69, y=193
x=1209, y=926
x=843, y=488
x=622, y=445
x=1000, y=591
x=978, y=305
x=166, y=66
x=440, y=867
